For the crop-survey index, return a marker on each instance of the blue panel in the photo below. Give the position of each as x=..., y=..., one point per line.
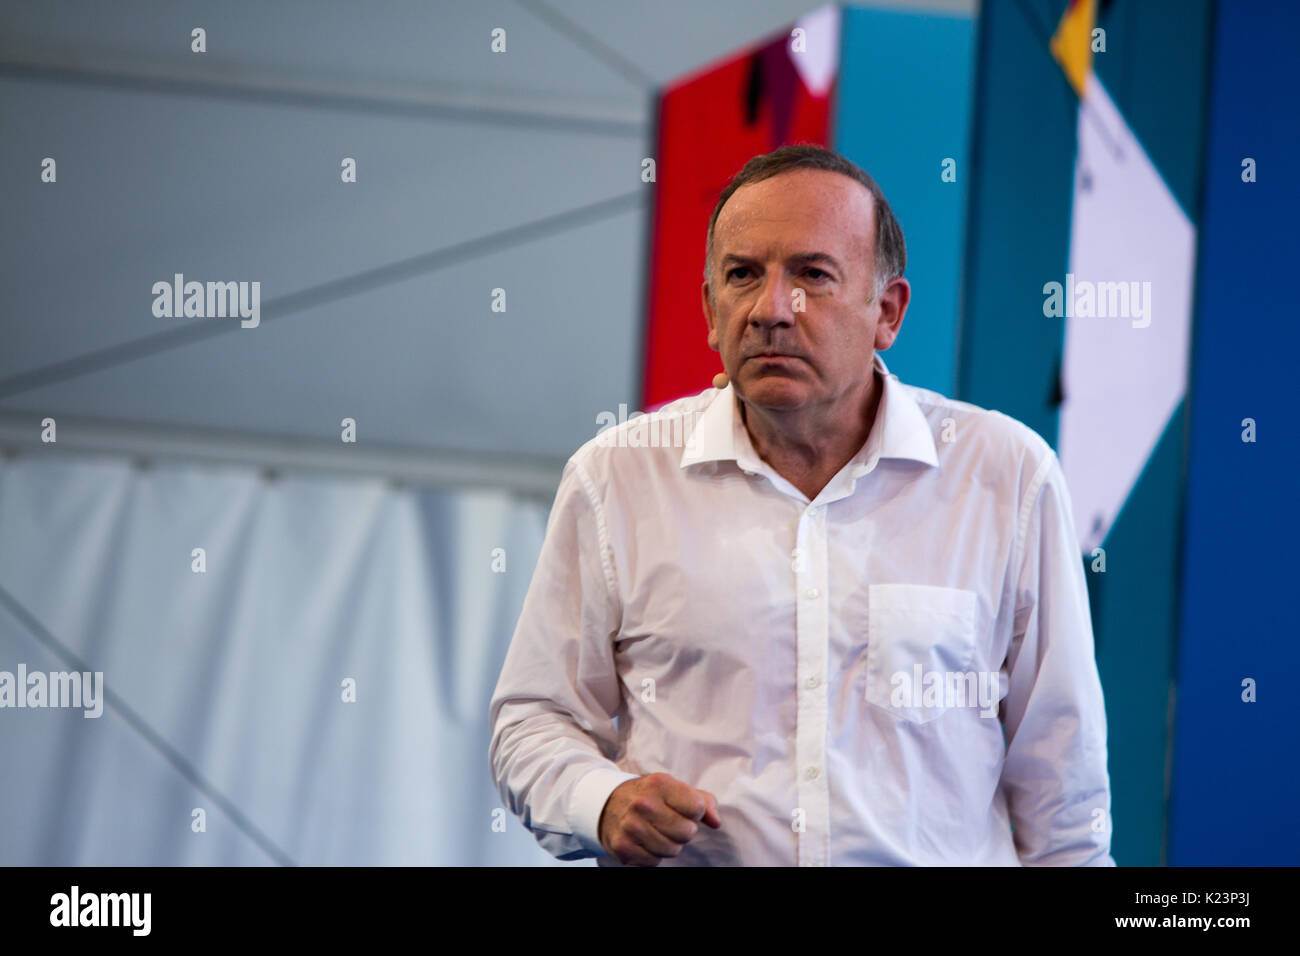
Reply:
x=903, y=106
x=1235, y=783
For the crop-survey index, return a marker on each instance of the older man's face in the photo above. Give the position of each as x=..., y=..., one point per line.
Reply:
x=808, y=230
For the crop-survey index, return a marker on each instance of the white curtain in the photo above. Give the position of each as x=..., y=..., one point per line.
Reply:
x=225, y=688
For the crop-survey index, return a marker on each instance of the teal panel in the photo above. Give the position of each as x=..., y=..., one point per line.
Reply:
x=1022, y=167
x=1134, y=618
x=903, y=105
x=1156, y=68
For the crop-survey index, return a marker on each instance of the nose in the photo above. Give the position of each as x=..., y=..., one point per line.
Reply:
x=773, y=304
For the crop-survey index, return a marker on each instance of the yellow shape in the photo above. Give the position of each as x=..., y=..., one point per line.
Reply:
x=1072, y=42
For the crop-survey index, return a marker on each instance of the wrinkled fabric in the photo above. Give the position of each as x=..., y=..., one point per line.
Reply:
x=226, y=686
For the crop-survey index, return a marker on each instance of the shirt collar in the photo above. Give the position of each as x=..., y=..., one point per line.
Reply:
x=900, y=431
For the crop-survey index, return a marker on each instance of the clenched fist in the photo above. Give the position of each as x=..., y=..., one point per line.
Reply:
x=653, y=817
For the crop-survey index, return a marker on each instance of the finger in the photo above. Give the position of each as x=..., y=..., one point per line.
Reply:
x=650, y=813
x=651, y=807
x=650, y=839
x=631, y=853
x=711, y=816
x=685, y=799
x=674, y=826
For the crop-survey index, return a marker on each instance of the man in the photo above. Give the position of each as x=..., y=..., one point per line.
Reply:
x=846, y=623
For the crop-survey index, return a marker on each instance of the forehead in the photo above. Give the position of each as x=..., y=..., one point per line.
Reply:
x=803, y=206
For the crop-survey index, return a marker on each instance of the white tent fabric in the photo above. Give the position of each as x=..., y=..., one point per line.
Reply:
x=224, y=689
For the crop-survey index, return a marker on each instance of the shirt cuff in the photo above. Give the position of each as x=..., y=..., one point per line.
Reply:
x=588, y=800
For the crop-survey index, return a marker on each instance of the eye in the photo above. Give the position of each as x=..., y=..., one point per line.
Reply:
x=731, y=273
x=820, y=274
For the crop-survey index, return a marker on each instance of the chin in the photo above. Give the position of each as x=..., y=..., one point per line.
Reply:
x=772, y=391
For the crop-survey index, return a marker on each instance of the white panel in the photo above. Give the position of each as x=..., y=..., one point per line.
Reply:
x=1123, y=375
x=817, y=62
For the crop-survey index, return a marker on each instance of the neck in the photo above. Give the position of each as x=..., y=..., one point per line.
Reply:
x=808, y=446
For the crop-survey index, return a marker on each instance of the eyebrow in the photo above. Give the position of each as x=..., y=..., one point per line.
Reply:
x=798, y=259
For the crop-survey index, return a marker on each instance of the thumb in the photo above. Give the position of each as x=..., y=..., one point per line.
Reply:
x=711, y=812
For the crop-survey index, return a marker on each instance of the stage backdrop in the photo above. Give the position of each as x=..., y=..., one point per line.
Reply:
x=890, y=90
x=1088, y=165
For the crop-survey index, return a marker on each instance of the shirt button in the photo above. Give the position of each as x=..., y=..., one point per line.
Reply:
x=813, y=682
x=811, y=773
x=811, y=593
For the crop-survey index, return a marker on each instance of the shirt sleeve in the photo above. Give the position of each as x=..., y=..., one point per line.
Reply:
x=551, y=715
x=1054, y=774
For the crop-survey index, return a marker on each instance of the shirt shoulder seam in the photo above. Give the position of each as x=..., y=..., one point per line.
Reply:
x=602, y=532
x=1032, y=494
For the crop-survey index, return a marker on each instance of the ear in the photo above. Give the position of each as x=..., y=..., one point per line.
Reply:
x=894, y=298
x=709, y=317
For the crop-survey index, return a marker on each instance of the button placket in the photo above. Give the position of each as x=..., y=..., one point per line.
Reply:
x=812, y=627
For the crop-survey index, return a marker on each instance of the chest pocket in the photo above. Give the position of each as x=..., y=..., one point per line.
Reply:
x=915, y=631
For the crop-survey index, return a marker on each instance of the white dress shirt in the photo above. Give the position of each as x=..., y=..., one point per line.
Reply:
x=693, y=613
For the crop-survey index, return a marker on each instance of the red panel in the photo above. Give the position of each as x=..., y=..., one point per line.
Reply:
x=709, y=126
